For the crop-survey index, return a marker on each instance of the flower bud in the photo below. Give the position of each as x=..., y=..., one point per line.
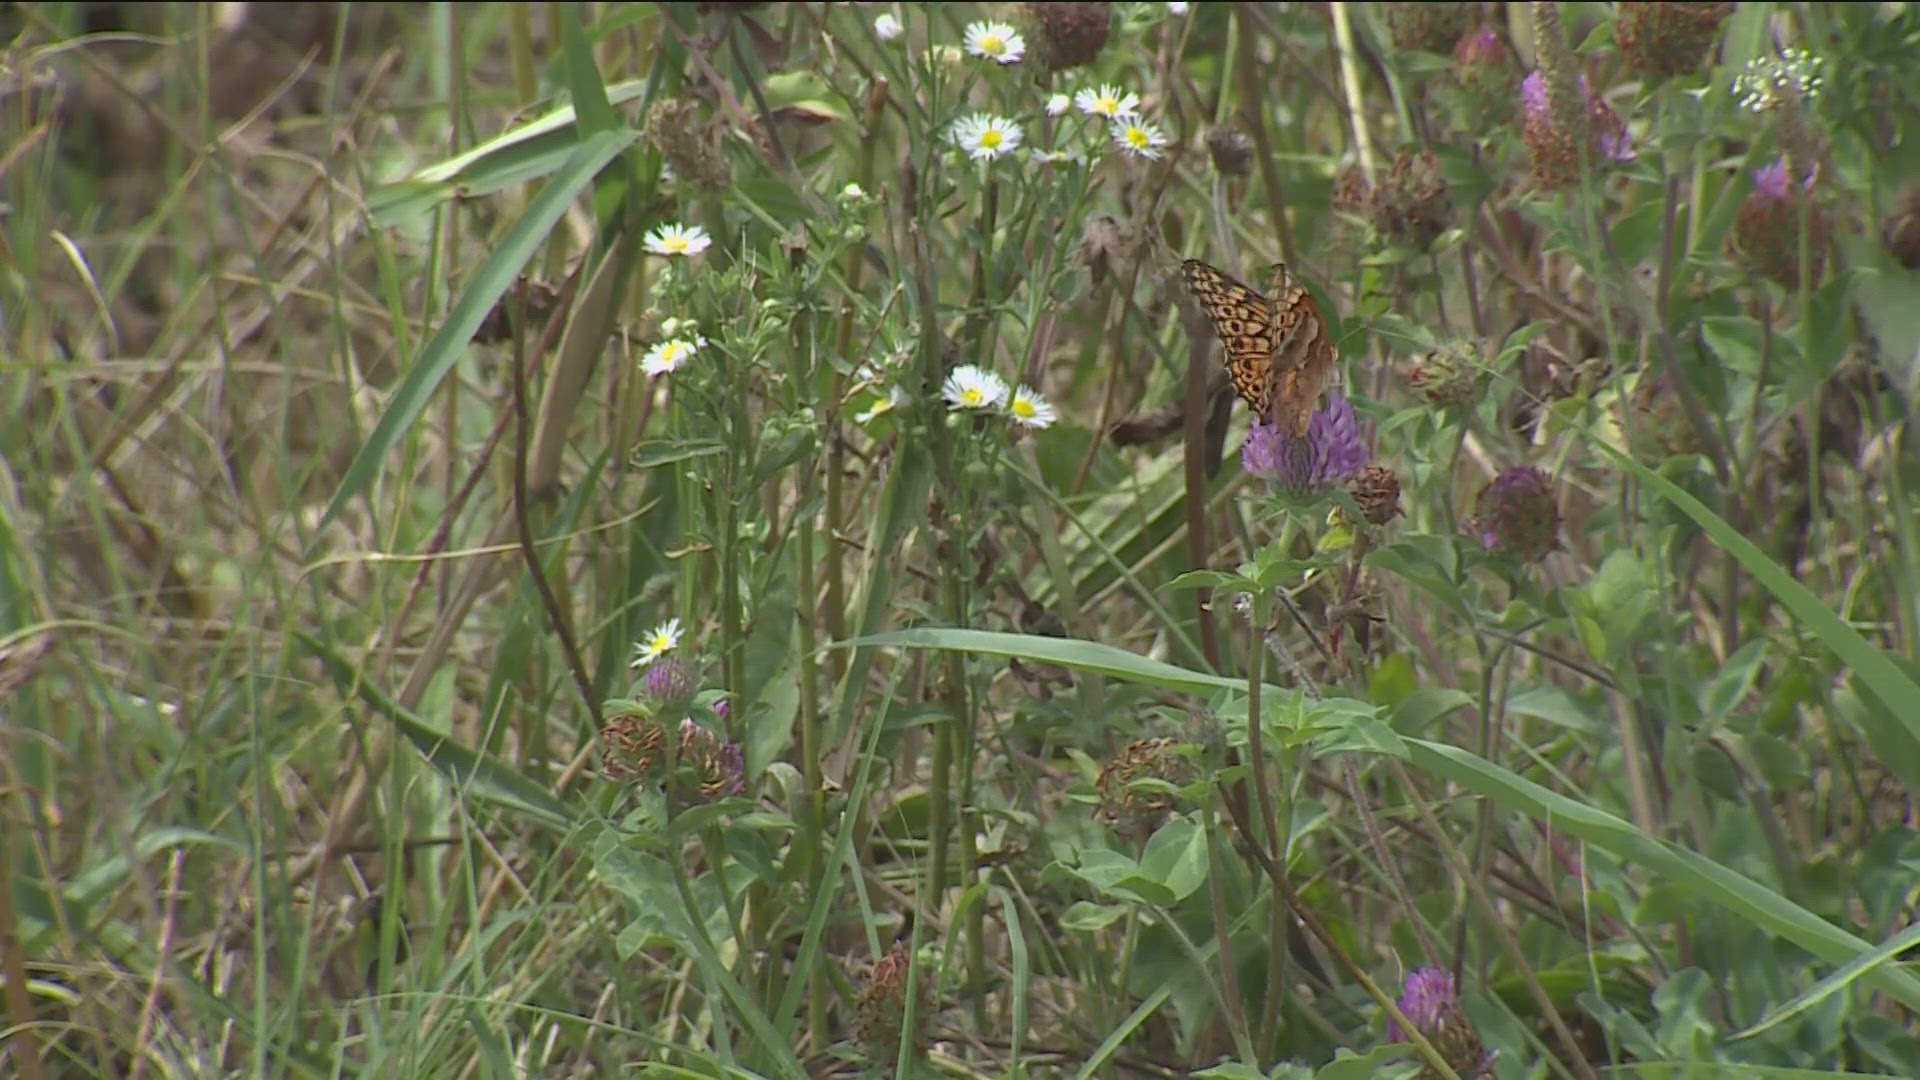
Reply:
x=1516, y=514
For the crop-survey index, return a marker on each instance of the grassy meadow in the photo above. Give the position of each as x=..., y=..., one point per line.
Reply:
x=1135, y=540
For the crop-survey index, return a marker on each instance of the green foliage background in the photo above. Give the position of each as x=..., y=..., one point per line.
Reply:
x=337, y=498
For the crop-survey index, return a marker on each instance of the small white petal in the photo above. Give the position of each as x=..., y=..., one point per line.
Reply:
x=1031, y=410
x=661, y=641
x=677, y=239
x=971, y=387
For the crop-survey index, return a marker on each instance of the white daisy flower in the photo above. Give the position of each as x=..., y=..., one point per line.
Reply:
x=1058, y=104
x=661, y=641
x=971, y=387
x=671, y=354
x=1177, y=8
x=894, y=398
x=1108, y=101
x=886, y=27
x=985, y=136
x=1138, y=137
x=1052, y=157
x=995, y=41
x=674, y=238
x=1031, y=410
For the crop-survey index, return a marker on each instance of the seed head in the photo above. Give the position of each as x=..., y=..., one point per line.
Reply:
x=1553, y=146
x=1132, y=812
x=1412, y=204
x=1232, y=151
x=1069, y=35
x=690, y=147
x=1376, y=490
x=881, y=1008
x=1766, y=229
x=1447, y=376
x=1483, y=75
x=713, y=763
x=1428, y=27
x=1664, y=40
x=630, y=746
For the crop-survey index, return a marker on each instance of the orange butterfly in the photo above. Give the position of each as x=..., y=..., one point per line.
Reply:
x=1279, y=351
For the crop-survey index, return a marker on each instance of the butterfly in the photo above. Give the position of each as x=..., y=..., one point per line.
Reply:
x=1280, y=352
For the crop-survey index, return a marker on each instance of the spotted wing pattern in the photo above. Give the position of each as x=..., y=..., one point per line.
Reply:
x=1303, y=352
x=1278, y=349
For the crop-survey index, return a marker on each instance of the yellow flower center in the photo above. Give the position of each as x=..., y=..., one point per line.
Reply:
x=1109, y=106
x=992, y=45
x=675, y=244
x=1138, y=138
x=991, y=138
x=973, y=396
x=1023, y=409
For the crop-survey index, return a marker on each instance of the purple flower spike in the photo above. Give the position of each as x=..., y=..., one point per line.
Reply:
x=1331, y=452
x=1428, y=995
x=1533, y=94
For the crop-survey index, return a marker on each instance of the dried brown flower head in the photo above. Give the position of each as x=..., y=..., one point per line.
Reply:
x=1428, y=27
x=1376, y=490
x=1068, y=35
x=1412, y=203
x=1231, y=150
x=1766, y=233
x=690, y=146
x=1663, y=40
x=1135, y=812
x=881, y=1007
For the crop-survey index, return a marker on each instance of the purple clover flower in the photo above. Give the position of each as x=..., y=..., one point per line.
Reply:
x=1331, y=452
x=668, y=680
x=1427, y=998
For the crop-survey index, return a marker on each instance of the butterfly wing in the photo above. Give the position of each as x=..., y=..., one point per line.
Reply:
x=1302, y=355
x=1243, y=320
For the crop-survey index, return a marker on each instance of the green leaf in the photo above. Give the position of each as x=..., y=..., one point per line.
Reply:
x=1067, y=652
x=1091, y=918
x=488, y=285
x=1370, y=736
x=1701, y=878
x=657, y=452
x=1734, y=682
x=1207, y=579
x=1554, y=705
x=1875, y=671
x=1115, y=875
x=1424, y=707
x=1427, y=562
x=518, y=156
x=1176, y=857
x=1346, y=1065
x=583, y=76
x=473, y=773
